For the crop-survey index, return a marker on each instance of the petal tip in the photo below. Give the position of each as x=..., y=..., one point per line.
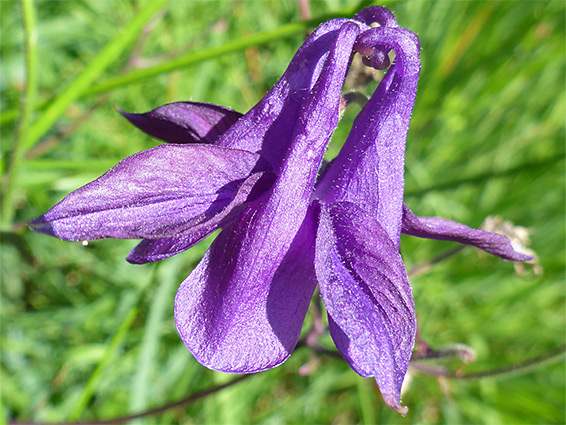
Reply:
x=402, y=410
x=393, y=401
x=520, y=257
x=121, y=111
x=41, y=225
x=133, y=259
x=128, y=115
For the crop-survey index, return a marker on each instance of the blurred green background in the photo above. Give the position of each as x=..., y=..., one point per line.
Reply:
x=85, y=335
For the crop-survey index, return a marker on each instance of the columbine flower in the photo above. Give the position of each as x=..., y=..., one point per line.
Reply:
x=241, y=310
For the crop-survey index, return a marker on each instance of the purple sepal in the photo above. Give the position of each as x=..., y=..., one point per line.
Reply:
x=150, y=250
x=447, y=230
x=369, y=170
x=185, y=122
x=157, y=193
x=366, y=292
x=241, y=310
x=268, y=127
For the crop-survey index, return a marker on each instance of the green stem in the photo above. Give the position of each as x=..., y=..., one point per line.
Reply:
x=27, y=105
x=106, y=57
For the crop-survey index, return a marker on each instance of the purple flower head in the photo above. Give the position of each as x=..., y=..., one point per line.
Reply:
x=285, y=230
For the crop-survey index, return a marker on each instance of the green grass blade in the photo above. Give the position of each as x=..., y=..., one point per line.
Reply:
x=109, y=354
x=131, y=306
x=109, y=54
x=166, y=278
x=526, y=167
x=10, y=115
x=27, y=105
x=255, y=40
x=3, y=419
x=66, y=165
x=366, y=396
x=284, y=31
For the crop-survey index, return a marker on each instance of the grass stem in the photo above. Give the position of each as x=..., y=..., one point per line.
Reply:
x=111, y=52
x=27, y=107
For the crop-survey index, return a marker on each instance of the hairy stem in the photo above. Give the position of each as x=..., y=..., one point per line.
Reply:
x=502, y=372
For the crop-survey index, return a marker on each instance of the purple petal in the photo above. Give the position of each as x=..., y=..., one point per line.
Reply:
x=244, y=325
x=376, y=14
x=185, y=122
x=268, y=127
x=369, y=169
x=446, y=230
x=366, y=293
x=156, y=193
x=150, y=250
x=242, y=308
x=383, y=17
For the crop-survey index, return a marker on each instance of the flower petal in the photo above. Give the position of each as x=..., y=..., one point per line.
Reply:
x=268, y=127
x=383, y=17
x=447, y=230
x=185, y=122
x=242, y=308
x=246, y=325
x=369, y=170
x=150, y=250
x=376, y=14
x=156, y=193
x=366, y=293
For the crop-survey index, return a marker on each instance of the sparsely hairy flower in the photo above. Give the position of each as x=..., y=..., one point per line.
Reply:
x=285, y=228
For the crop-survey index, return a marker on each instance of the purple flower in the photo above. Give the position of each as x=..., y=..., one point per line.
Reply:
x=285, y=229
